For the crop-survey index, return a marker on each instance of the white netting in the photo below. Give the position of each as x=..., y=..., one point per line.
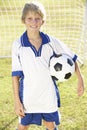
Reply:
x=65, y=20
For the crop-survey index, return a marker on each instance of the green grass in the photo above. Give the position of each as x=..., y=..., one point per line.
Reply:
x=73, y=108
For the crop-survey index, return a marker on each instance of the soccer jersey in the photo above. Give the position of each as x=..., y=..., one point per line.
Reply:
x=37, y=88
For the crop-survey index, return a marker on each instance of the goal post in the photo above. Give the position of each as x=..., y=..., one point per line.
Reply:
x=85, y=31
x=66, y=20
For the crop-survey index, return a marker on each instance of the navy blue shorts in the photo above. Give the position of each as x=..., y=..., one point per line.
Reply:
x=36, y=118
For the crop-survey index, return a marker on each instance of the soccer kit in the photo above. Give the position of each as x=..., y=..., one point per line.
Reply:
x=38, y=90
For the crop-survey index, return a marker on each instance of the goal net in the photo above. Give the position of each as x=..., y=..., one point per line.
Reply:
x=65, y=20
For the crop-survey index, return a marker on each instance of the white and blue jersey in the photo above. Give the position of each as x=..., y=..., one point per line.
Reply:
x=38, y=91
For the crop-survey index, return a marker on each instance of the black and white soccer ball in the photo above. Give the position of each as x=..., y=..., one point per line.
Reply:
x=62, y=67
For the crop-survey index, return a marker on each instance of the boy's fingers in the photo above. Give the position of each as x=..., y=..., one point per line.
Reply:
x=80, y=91
x=22, y=112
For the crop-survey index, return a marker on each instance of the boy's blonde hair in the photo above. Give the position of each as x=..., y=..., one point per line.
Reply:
x=33, y=7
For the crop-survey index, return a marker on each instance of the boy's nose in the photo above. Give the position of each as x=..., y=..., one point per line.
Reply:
x=34, y=20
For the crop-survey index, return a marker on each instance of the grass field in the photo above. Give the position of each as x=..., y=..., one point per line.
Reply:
x=73, y=108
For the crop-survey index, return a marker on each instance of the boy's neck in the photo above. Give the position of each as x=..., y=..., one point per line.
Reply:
x=33, y=35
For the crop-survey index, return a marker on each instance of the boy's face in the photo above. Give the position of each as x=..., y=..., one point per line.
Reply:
x=33, y=21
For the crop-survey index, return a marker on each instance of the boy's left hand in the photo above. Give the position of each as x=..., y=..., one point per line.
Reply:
x=80, y=89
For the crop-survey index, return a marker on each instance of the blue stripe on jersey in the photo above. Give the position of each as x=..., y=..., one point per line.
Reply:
x=21, y=89
x=57, y=94
x=75, y=58
x=26, y=43
x=17, y=73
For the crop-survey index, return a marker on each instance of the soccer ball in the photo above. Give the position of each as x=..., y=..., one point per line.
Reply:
x=62, y=67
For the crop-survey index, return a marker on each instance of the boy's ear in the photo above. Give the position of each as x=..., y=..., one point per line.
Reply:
x=23, y=21
x=43, y=22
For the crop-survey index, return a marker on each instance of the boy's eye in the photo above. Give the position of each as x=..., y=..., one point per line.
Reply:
x=29, y=18
x=33, y=19
x=37, y=18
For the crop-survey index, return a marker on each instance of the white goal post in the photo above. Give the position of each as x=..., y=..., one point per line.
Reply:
x=66, y=20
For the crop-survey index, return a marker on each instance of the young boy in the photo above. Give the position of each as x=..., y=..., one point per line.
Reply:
x=36, y=95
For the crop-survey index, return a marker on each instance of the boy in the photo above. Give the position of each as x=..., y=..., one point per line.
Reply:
x=36, y=95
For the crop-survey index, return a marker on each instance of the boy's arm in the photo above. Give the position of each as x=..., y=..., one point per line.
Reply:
x=18, y=105
x=80, y=89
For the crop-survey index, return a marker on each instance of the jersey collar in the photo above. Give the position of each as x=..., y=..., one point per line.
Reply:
x=26, y=43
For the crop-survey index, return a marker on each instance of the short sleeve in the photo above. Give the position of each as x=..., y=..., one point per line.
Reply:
x=61, y=48
x=16, y=64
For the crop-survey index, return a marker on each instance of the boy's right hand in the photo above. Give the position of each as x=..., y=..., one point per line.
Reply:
x=19, y=109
